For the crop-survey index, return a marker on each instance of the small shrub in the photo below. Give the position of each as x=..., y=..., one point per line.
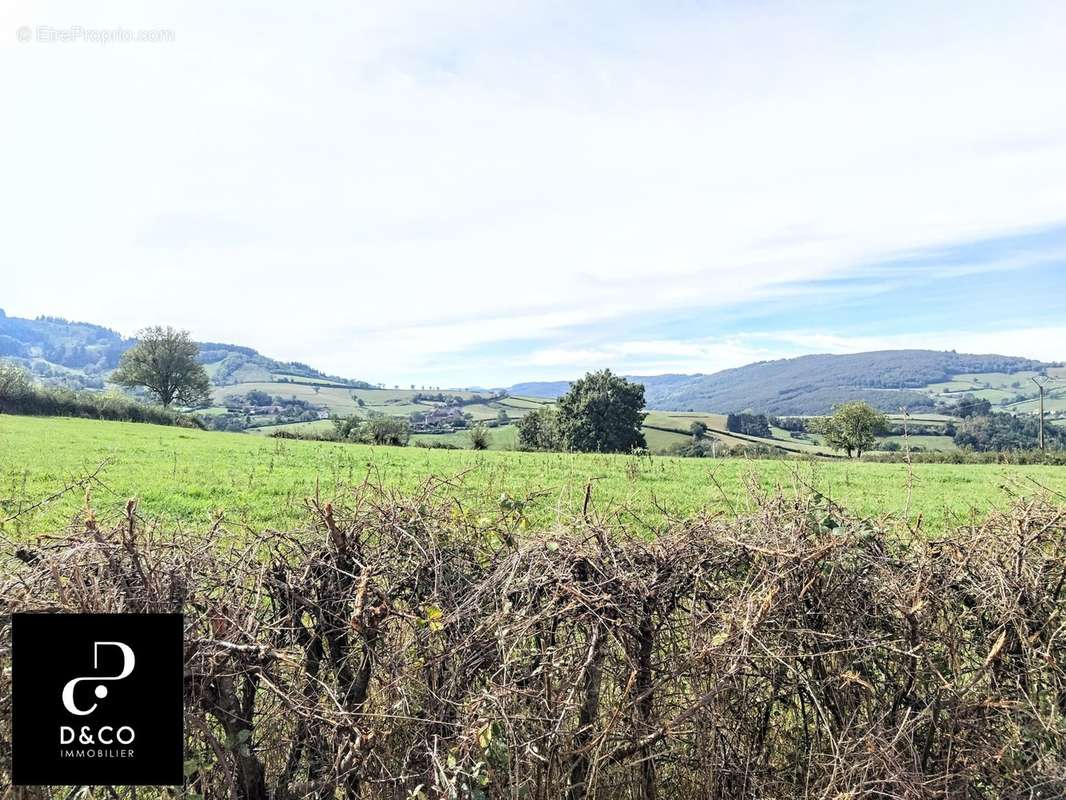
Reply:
x=479, y=437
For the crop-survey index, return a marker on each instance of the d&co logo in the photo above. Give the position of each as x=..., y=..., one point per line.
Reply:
x=97, y=699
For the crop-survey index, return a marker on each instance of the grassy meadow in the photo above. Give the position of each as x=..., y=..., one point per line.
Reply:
x=186, y=477
x=501, y=438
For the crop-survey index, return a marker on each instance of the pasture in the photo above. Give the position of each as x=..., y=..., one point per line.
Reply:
x=187, y=478
x=502, y=438
x=663, y=430
x=1003, y=389
x=344, y=401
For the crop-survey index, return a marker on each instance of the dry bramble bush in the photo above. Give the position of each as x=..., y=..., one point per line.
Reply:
x=402, y=649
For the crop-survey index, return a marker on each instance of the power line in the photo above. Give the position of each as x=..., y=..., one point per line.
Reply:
x=1042, y=381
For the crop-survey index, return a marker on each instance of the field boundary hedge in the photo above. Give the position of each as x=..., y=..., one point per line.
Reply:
x=18, y=395
x=400, y=648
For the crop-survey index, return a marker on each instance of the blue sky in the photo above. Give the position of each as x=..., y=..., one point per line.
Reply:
x=998, y=295
x=484, y=192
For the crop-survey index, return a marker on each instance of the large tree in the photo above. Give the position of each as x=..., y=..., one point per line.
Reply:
x=14, y=380
x=853, y=427
x=164, y=362
x=602, y=413
x=539, y=430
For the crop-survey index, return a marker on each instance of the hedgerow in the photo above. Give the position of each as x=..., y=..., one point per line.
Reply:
x=399, y=647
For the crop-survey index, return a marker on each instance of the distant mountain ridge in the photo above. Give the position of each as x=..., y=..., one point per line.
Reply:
x=812, y=384
x=80, y=355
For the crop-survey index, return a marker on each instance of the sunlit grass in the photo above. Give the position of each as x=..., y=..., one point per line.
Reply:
x=187, y=477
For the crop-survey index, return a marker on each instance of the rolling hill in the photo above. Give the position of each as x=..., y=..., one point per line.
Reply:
x=80, y=355
x=887, y=379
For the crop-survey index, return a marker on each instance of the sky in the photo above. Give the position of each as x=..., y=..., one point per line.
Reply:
x=493, y=191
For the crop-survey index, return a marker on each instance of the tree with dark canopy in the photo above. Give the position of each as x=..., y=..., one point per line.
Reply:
x=164, y=362
x=749, y=424
x=853, y=427
x=602, y=413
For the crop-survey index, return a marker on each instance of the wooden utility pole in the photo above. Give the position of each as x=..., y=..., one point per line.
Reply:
x=1041, y=382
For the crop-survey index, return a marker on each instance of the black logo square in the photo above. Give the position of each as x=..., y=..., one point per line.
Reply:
x=96, y=699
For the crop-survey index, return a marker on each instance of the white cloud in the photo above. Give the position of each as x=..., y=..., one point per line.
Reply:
x=651, y=357
x=369, y=187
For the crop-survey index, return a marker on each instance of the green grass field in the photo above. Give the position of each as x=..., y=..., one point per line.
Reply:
x=1052, y=402
x=1001, y=387
x=185, y=477
x=504, y=438
x=318, y=425
x=928, y=443
x=665, y=429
